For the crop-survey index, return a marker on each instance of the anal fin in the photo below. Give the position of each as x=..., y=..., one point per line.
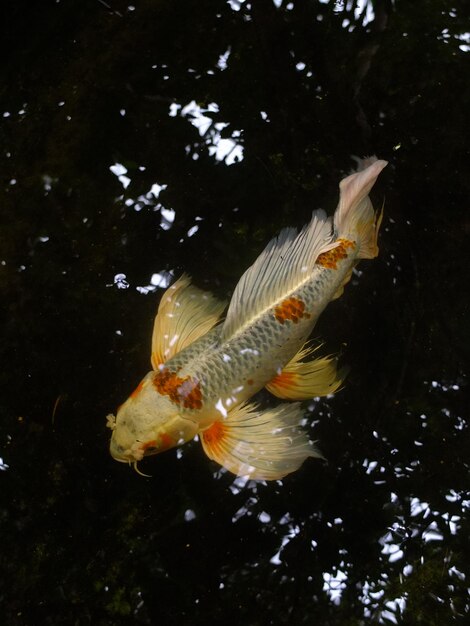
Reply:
x=302, y=380
x=260, y=445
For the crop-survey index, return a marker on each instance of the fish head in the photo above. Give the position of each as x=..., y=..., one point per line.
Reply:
x=146, y=424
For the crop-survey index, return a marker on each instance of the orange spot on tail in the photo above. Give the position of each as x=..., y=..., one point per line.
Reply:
x=284, y=379
x=183, y=391
x=291, y=309
x=331, y=258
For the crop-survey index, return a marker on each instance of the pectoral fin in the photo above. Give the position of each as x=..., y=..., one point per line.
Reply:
x=304, y=380
x=261, y=445
x=185, y=313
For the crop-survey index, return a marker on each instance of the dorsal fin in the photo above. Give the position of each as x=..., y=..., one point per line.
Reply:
x=284, y=265
x=185, y=313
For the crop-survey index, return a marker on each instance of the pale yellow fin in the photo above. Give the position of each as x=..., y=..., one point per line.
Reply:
x=260, y=445
x=355, y=218
x=285, y=264
x=185, y=313
x=304, y=380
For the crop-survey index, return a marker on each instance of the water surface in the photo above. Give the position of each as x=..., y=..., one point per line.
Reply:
x=140, y=141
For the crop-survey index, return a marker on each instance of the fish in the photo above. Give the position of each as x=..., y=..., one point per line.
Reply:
x=206, y=368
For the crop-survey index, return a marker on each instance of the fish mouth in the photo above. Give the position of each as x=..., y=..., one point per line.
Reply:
x=126, y=455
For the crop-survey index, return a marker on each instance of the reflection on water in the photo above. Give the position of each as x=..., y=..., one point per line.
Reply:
x=139, y=142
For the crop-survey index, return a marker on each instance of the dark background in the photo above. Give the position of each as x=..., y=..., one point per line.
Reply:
x=379, y=533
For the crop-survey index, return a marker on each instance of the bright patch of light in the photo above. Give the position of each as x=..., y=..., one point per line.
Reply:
x=148, y=200
x=292, y=531
x=465, y=47
x=394, y=607
x=238, y=484
x=220, y=407
x=277, y=3
x=369, y=14
x=417, y=507
x=156, y=189
x=390, y=549
x=432, y=533
x=120, y=281
x=227, y=149
x=222, y=62
x=161, y=279
x=453, y=571
x=189, y=515
x=334, y=585
x=3, y=465
x=193, y=230
x=196, y=116
x=168, y=217
x=235, y=5
x=119, y=170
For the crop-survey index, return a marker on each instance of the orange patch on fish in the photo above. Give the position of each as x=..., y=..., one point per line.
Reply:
x=149, y=444
x=184, y=391
x=166, y=441
x=163, y=443
x=331, y=258
x=291, y=309
x=137, y=390
x=214, y=434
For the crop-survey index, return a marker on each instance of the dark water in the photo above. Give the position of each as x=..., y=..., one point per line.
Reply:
x=111, y=176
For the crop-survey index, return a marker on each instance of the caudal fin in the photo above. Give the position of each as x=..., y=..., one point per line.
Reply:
x=355, y=218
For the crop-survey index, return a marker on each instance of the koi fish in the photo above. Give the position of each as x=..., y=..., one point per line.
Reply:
x=206, y=370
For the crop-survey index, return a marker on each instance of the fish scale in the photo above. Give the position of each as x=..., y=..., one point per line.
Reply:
x=258, y=351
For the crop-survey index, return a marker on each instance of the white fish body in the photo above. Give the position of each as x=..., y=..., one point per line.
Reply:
x=205, y=371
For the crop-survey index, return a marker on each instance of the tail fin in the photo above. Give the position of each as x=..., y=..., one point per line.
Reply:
x=355, y=218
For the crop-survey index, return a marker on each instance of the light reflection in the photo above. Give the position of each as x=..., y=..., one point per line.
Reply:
x=292, y=531
x=334, y=585
x=158, y=280
x=189, y=515
x=3, y=465
x=227, y=149
x=235, y=5
x=119, y=170
x=168, y=218
x=120, y=281
x=222, y=62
